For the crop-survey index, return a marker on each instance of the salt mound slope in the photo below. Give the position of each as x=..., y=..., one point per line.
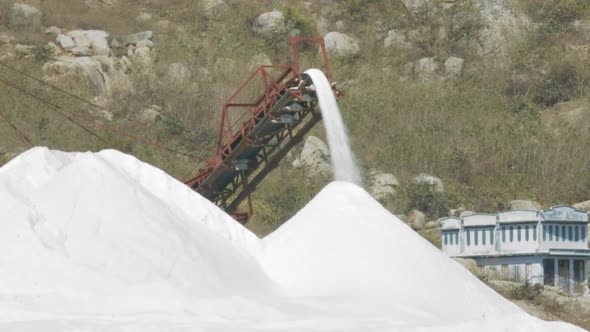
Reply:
x=106, y=223
x=104, y=242
x=345, y=244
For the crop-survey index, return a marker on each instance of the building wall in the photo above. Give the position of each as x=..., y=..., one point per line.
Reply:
x=533, y=237
x=549, y=237
x=517, y=237
x=515, y=267
x=517, y=243
x=451, y=242
x=479, y=240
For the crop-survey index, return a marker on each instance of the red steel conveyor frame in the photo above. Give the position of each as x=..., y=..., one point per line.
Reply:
x=226, y=184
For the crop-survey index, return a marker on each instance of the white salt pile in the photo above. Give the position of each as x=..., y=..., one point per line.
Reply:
x=104, y=242
x=106, y=224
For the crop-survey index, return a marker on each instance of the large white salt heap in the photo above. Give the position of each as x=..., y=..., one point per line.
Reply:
x=104, y=242
x=103, y=225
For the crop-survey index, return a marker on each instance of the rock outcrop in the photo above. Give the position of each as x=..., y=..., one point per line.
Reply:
x=453, y=67
x=340, y=45
x=270, y=23
x=582, y=206
x=383, y=185
x=150, y=115
x=178, y=73
x=83, y=66
x=84, y=42
x=315, y=157
x=426, y=178
x=416, y=219
x=502, y=23
x=132, y=39
x=398, y=39
x=426, y=69
x=24, y=17
x=66, y=42
x=416, y=6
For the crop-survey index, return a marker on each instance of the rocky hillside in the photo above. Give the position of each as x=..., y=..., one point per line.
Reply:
x=452, y=106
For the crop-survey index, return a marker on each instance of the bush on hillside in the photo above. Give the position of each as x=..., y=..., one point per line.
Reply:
x=356, y=10
x=42, y=53
x=561, y=84
x=459, y=166
x=295, y=19
x=526, y=291
x=554, y=16
x=425, y=197
x=448, y=31
x=173, y=124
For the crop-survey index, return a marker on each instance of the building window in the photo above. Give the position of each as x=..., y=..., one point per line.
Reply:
x=584, y=234
x=503, y=233
x=534, y=230
x=577, y=233
x=476, y=236
x=468, y=238
x=526, y=233
x=445, y=239
x=544, y=232
x=570, y=233
x=483, y=237
x=518, y=233
x=516, y=272
x=456, y=236
x=511, y=234
x=563, y=235
x=550, y=233
x=549, y=272
x=492, y=231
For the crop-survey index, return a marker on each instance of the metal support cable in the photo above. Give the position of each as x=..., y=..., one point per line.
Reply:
x=159, y=131
x=57, y=108
x=18, y=133
x=61, y=110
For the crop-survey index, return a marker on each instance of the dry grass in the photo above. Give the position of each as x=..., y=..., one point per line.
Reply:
x=468, y=132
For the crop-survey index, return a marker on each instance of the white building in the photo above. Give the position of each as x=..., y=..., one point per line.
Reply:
x=547, y=247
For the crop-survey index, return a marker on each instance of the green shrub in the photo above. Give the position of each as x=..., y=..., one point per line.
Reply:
x=42, y=127
x=201, y=135
x=173, y=124
x=459, y=166
x=356, y=10
x=464, y=24
x=525, y=292
x=556, y=15
x=42, y=53
x=425, y=197
x=522, y=106
x=560, y=84
x=297, y=20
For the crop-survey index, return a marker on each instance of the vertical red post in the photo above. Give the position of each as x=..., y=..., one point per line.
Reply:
x=323, y=51
x=294, y=41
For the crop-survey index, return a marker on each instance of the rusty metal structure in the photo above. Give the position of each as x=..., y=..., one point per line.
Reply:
x=266, y=117
x=261, y=122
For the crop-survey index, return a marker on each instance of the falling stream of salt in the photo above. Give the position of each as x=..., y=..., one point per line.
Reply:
x=343, y=161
